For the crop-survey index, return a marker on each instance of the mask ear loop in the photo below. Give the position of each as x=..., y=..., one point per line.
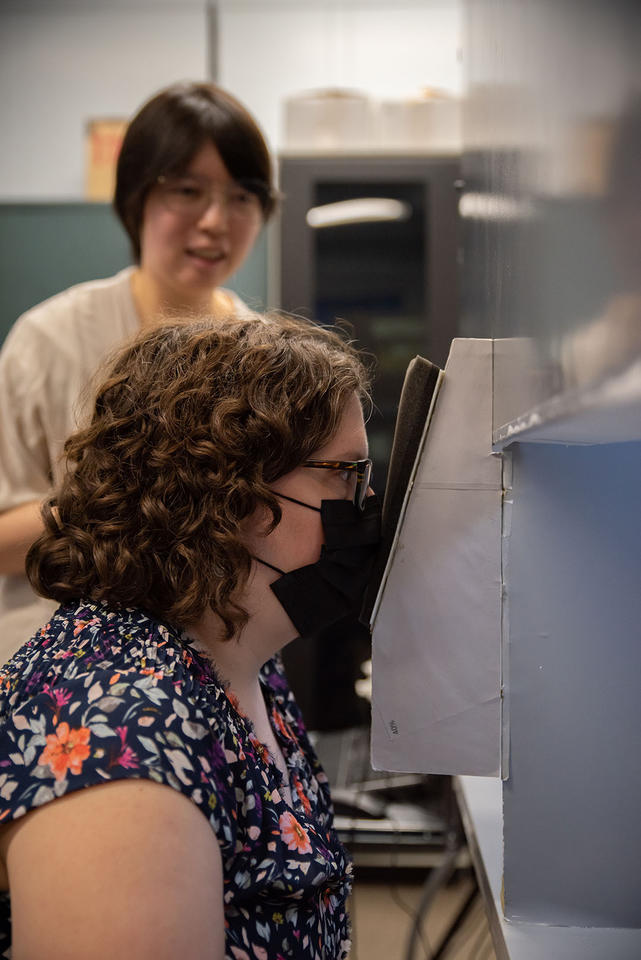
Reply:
x=301, y=503
x=270, y=565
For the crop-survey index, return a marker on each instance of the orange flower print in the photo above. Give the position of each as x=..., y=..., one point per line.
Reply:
x=65, y=750
x=307, y=807
x=295, y=836
x=81, y=624
x=280, y=723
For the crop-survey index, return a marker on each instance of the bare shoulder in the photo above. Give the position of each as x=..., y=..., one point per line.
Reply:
x=135, y=865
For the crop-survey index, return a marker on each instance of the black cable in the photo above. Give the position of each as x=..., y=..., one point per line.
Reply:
x=413, y=915
x=470, y=933
x=412, y=912
x=438, y=877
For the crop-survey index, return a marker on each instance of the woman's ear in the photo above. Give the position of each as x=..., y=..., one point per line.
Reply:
x=257, y=526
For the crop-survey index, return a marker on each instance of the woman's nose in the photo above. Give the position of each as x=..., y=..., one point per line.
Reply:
x=215, y=215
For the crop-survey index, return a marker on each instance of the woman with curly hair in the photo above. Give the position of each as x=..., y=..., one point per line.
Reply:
x=159, y=795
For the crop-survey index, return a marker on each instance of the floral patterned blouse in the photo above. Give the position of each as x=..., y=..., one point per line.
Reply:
x=102, y=694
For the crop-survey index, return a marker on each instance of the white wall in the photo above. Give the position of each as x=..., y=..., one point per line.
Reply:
x=63, y=61
x=271, y=50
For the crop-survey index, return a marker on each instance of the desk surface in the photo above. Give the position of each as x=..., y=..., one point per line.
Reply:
x=480, y=802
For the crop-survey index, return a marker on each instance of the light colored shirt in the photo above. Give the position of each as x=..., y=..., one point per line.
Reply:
x=47, y=366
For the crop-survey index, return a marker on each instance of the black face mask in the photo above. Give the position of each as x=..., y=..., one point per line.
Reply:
x=324, y=592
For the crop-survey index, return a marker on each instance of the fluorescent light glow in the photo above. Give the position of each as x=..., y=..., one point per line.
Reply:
x=496, y=207
x=363, y=210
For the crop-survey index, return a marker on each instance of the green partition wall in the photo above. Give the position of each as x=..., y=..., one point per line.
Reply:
x=46, y=247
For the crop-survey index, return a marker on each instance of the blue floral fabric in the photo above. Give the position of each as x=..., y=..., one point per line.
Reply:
x=102, y=694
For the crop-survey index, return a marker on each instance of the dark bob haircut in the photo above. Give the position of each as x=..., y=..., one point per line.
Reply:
x=192, y=424
x=169, y=130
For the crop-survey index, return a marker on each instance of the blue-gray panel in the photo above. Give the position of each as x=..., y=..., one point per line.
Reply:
x=47, y=247
x=572, y=843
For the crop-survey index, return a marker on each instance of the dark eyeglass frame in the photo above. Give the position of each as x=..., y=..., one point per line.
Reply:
x=362, y=468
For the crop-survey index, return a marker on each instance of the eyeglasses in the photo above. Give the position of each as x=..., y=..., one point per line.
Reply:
x=359, y=473
x=192, y=196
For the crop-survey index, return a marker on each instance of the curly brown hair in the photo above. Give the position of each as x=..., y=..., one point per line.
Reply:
x=193, y=422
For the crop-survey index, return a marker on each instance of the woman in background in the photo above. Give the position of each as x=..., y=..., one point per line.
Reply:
x=194, y=187
x=163, y=798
